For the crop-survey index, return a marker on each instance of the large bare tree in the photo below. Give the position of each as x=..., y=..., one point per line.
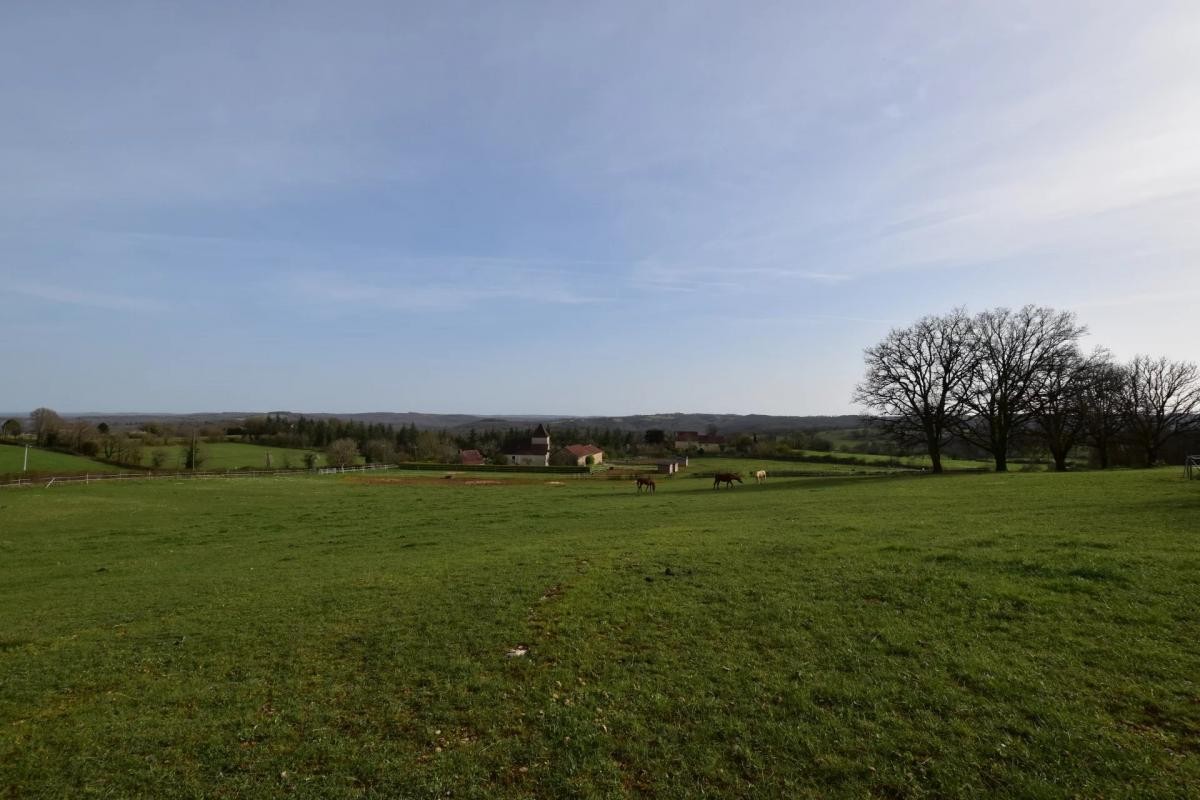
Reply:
x=1162, y=400
x=1015, y=351
x=341, y=453
x=47, y=425
x=915, y=380
x=1104, y=408
x=1060, y=401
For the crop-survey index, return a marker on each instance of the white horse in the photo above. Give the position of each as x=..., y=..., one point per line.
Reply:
x=760, y=476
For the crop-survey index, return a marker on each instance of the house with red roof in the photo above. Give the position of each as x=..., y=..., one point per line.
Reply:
x=584, y=455
x=470, y=458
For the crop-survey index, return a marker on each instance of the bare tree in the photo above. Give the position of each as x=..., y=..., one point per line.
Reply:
x=1104, y=407
x=341, y=453
x=79, y=434
x=129, y=450
x=916, y=378
x=11, y=427
x=380, y=451
x=1015, y=351
x=1060, y=402
x=46, y=425
x=1162, y=400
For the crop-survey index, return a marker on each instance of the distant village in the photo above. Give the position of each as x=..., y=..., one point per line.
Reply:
x=540, y=452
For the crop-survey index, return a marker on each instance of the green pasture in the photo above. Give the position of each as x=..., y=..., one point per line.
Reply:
x=47, y=461
x=1012, y=635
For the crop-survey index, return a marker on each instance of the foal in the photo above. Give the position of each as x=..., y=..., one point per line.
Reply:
x=647, y=483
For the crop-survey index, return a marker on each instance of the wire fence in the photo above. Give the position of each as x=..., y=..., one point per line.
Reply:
x=88, y=478
x=614, y=472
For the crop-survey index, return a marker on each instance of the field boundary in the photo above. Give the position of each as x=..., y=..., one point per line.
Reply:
x=88, y=478
x=847, y=460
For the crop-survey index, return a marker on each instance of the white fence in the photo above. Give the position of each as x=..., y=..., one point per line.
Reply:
x=148, y=476
x=362, y=468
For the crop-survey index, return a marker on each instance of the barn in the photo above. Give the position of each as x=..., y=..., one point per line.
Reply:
x=470, y=458
x=580, y=453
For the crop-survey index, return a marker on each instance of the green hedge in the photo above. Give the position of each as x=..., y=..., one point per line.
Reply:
x=846, y=460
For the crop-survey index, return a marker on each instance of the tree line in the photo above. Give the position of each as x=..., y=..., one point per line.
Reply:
x=1000, y=377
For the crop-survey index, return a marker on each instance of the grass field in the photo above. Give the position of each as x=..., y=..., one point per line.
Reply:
x=1018, y=635
x=43, y=461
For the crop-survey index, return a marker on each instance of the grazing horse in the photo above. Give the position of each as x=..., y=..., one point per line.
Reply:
x=726, y=478
x=760, y=476
x=647, y=483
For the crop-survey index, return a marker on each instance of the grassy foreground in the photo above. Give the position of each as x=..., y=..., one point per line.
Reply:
x=1021, y=635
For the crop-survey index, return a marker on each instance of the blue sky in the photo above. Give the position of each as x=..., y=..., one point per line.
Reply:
x=567, y=208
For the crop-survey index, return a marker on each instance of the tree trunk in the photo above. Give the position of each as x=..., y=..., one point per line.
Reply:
x=1151, y=455
x=934, y=445
x=1060, y=462
x=1103, y=453
x=999, y=439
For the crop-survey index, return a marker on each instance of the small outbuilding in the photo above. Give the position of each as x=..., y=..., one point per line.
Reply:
x=581, y=453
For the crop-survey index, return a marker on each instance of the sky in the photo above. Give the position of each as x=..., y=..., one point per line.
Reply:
x=567, y=208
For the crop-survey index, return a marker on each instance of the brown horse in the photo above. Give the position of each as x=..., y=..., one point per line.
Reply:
x=647, y=483
x=726, y=478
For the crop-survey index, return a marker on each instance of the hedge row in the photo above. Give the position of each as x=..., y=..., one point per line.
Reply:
x=847, y=460
x=492, y=468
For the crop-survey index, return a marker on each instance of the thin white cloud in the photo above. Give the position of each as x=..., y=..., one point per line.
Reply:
x=337, y=292
x=62, y=295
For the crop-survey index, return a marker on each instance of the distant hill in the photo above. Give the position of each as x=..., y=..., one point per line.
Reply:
x=677, y=421
x=725, y=423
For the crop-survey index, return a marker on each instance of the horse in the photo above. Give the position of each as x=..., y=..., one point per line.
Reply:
x=760, y=476
x=647, y=483
x=726, y=478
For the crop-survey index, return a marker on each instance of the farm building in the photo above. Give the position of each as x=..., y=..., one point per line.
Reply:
x=536, y=454
x=471, y=458
x=580, y=453
x=704, y=442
